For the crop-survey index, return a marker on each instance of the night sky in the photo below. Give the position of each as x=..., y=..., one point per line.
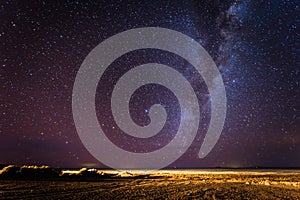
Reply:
x=255, y=44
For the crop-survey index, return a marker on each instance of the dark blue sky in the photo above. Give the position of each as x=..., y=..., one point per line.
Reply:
x=255, y=45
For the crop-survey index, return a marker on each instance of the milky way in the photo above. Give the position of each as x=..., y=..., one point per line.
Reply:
x=255, y=45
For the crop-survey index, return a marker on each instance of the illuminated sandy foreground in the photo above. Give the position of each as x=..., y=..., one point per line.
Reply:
x=164, y=184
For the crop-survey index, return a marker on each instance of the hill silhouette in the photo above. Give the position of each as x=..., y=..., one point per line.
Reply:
x=32, y=172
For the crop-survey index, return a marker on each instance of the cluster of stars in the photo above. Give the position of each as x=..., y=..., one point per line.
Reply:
x=254, y=43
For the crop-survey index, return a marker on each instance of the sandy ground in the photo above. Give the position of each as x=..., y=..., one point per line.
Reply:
x=172, y=184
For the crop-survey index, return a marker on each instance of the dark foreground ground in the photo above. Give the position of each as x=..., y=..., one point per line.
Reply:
x=172, y=184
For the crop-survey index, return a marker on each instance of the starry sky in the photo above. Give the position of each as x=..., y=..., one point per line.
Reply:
x=255, y=44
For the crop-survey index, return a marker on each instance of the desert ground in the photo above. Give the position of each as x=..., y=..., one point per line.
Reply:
x=163, y=184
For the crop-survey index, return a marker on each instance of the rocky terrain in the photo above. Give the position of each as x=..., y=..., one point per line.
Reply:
x=46, y=183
